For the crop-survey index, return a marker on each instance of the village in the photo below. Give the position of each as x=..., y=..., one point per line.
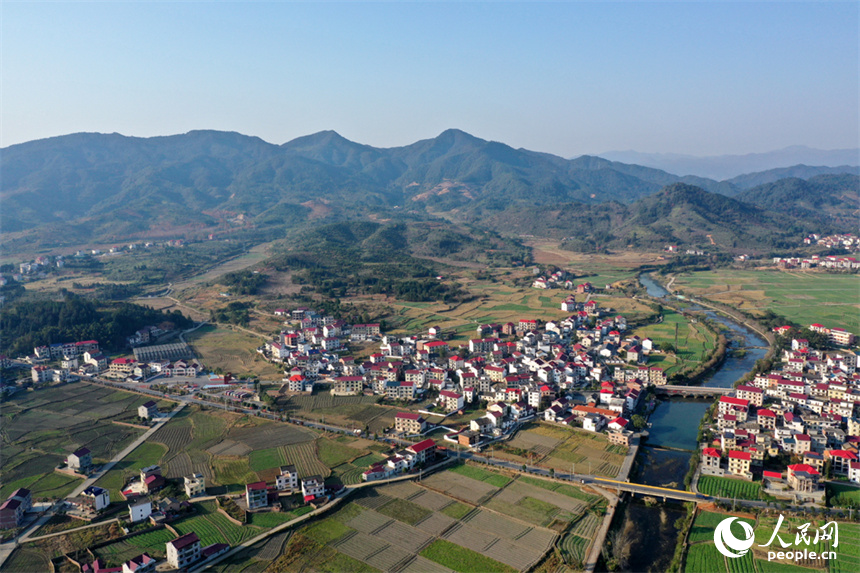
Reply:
x=792, y=428
x=585, y=372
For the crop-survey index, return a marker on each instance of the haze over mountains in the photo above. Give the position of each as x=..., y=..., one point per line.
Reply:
x=723, y=167
x=111, y=186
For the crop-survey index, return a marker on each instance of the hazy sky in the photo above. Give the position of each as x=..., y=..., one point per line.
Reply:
x=566, y=78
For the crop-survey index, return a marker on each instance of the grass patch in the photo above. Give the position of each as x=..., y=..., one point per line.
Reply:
x=456, y=510
x=260, y=460
x=480, y=474
x=334, y=454
x=405, y=511
x=327, y=530
x=706, y=522
x=459, y=558
x=842, y=495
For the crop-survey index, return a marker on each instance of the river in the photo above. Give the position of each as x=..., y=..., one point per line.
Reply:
x=675, y=424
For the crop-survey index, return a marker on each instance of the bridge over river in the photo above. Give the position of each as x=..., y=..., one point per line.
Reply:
x=673, y=390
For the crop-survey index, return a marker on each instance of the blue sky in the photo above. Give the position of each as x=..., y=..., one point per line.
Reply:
x=567, y=78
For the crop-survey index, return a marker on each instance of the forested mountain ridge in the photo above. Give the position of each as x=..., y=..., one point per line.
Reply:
x=106, y=187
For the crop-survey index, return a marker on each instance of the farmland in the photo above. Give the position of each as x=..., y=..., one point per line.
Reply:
x=560, y=447
x=843, y=495
x=693, y=342
x=729, y=487
x=347, y=411
x=39, y=429
x=232, y=450
x=801, y=296
x=422, y=527
x=703, y=557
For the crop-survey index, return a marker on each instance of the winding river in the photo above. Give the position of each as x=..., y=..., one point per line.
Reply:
x=675, y=425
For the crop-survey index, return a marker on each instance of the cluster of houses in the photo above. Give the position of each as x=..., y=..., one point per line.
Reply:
x=806, y=409
x=818, y=262
x=40, y=264
x=677, y=249
x=558, y=279
x=417, y=455
x=848, y=241
x=259, y=495
x=836, y=336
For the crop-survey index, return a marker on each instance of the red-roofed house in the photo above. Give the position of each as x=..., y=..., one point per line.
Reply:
x=410, y=423
x=841, y=460
x=256, y=495
x=766, y=419
x=726, y=403
x=143, y=563
x=739, y=463
x=451, y=401
x=711, y=461
x=423, y=450
x=184, y=550
x=802, y=477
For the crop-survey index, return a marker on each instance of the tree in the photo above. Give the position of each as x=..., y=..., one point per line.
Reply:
x=639, y=421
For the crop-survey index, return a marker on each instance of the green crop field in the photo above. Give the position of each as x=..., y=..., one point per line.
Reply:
x=694, y=342
x=805, y=297
x=461, y=559
x=706, y=521
x=704, y=558
x=213, y=527
x=729, y=487
x=260, y=460
x=327, y=530
x=456, y=510
x=573, y=548
x=480, y=474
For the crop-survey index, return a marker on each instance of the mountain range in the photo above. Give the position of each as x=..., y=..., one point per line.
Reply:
x=109, y=186
x=729, y=166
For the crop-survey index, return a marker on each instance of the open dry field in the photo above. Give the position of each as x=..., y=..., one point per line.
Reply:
x=347, y=411
x=602, y=268
x=497, y=302
x=559, y=447
x=412, y=526
x=805, y=297
x=40, y=428
x=232, y=351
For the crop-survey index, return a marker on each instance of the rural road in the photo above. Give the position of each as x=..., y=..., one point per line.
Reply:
x=6, y=549
x=117, y=458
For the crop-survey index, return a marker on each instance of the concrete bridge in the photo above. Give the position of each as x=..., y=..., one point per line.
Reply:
x=673, y=390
